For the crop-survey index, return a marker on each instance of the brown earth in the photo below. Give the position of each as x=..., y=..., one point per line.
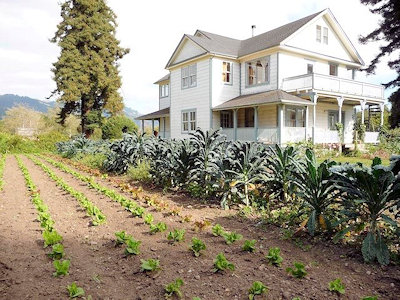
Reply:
x=105, y=273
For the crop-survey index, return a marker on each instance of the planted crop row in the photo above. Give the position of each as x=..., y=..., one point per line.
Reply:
x=92, y=211
x=2, y=164
x=50, y=235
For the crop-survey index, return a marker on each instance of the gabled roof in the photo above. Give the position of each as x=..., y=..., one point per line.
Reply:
x=165, y=78
x=155, y=115
x=270, y=97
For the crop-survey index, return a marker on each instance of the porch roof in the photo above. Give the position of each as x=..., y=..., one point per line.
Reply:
x=155, y=115
x=264, y=98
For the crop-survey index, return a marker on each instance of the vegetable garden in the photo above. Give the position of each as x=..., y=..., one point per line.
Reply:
x=219, y=220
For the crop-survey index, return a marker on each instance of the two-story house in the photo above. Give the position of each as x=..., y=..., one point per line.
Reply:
x=289, y=84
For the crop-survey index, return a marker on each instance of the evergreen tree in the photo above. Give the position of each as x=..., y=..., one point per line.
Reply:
x=86, y=73
x=394, y=118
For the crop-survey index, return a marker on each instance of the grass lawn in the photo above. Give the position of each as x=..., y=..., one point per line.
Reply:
x=352, y=160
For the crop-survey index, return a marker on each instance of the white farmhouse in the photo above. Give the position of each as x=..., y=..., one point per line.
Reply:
x=289, y=84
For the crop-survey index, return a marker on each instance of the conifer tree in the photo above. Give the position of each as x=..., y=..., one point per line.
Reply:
x=86, y=73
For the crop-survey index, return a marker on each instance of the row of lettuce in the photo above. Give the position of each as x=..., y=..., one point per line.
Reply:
x=353, y=202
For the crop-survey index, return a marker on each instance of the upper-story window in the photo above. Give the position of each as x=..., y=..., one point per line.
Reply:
x=325, y=35
x=189, y=76
x=310, y=68
x=333, y=69
x=257, y=71
x=319, y=34
x=322, y=34
x=164, y=90
x=227, y=72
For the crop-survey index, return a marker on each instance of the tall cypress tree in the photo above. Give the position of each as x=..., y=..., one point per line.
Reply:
x=86, y=73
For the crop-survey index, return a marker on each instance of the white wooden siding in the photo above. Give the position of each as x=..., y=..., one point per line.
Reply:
x=165, y=102
x=197, y=98
x=267, y=116
x=188, y=50
x=222, y=92
x=272, y=85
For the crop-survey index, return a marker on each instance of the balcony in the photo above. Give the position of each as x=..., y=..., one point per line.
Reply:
x=333, y=84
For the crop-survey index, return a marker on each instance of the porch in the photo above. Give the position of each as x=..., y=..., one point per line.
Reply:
x=160, y=118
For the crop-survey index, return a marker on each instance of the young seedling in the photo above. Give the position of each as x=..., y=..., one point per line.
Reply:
x=57, y=252
x=75, y=291
x=148, y=219
x=221, y=263
x=201, y=225
x=62, y=267
x=159, y=227
x=370, y=298
x=231, y=237
x=249, y=246
x=51, y=238
x=258, y=288
x=176, y=236
x=121, y=236
x=337, y=286
x=274, y=257
x=174, y=288
x=298, y=271
x=217, y=230
x=150, y=265
x=197, y=246
x=138, y=211
x=132, y=246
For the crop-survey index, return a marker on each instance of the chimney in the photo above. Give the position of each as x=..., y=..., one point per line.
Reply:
x=253, y=27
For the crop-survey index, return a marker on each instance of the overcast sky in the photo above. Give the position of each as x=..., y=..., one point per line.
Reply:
x=152, y=30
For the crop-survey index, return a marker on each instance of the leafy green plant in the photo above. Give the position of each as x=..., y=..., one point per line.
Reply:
x=51, y=238
x=298, y=271
x=61, y=266
x=231, y=237
x=370, y=298
x=258, y=288
x=176, y=236
x=132, y=246
x=75, y=291
x=217, y=230
x=159, y=227
x=138, y=211
x=274, y=256
x=337, y=286
x=121, y=236
x=57, y=251
x=249, y=245
x=148, y=219
x=221, y=263
x=150, y=265
x=174, y=288
x=197, y=246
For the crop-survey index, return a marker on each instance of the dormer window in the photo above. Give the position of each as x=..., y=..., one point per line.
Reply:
x=257, y=71
x=164, y=90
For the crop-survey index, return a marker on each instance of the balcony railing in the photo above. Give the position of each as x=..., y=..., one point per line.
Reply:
x=333, y=84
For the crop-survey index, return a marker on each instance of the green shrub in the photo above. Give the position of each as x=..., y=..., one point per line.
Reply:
x=112, y=128
x=141, y=172
x=47, y=141
x=94, y=161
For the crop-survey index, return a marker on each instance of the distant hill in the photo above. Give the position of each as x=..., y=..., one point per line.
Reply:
x=8, y=101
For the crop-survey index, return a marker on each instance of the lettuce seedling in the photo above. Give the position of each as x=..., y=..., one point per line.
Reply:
x=57, y=252
x=150, y=265
x=159, y=227
x=258, y=288
x=249, y=246
x=197, y=246
x=62, y=267
x=75, y=291
x=370, y=298
x=298, y=271
x=138, y=211
x=274, y=257
x=51, y=238
x=174, y=288
x=132, y=246
x=231, y=237
x=148, y=219
x=337, y=286
x=221, y=263
x=176, y=236
x=121, y=236
x=217, y=230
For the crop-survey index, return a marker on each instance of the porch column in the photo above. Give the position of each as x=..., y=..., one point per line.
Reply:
x=382, y=107
x=306, y=125
x=363, y=103
x=340, y=103
x=164, y=126
x=142, y=126
x=235, y=123
x=256, y=123
x=280, y=124
x=152, y=126
x=314, y=99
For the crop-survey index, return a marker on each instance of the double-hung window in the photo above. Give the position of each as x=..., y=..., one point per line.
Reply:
x=257, y=71
x=322, y=34
x=227, y=72
x=164, y=90
x=226, y=117
x=295, y=116
x=333, y=118
x=188, y=120
x=319, y=33
x=189, y=76
x=333, y=69
x=325, y=35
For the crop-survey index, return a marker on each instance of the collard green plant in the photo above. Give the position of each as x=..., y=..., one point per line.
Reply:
x=217, y=230
x=75, y=291
x=222, y=264
x=249, y=245
x=61, y=266
x=258, y=288
x=150, y=265
x=231, y=237
x=298, y=271
x=274, y=256
x=197, y=246
x=174, y=288
x=337, y=286
x=176, y=236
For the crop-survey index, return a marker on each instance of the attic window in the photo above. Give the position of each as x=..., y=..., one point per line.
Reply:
x=325, y=36
x=318, y=34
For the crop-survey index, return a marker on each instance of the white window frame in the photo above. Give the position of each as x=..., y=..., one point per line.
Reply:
x=336, y=69
x=297, y=121
x=226, y=72
x=255, y=79
x=189, y=76
x=319, y=33
x=164, y=90
x=188, y=120
x=325, y=35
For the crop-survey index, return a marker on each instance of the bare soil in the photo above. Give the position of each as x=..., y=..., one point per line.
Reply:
x=105, y=272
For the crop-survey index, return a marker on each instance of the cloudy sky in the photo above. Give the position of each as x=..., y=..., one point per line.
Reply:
x=152, y=30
